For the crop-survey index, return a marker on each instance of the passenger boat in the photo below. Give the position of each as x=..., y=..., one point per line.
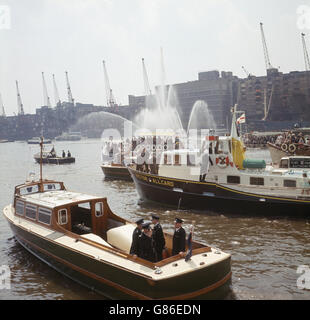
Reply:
x=79, y=236
x=52, y=158
x=231, y=183
x=277, y=152
x=116, y=171
x=37, y=140
x=69, y=136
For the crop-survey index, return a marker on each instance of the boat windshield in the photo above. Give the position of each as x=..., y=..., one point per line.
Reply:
x=29, y=190
x=299, y=163
x=52, y=186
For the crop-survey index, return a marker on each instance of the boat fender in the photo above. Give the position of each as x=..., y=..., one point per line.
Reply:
x=284, y=147
x=222, y=161
x=292, y=148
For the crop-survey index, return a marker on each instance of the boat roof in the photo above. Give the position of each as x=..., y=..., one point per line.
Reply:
x=53, y=199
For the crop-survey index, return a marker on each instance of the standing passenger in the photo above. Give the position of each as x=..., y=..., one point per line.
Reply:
x=146, y=244
x=179, y=238
x=158, y=237
x=134, y=249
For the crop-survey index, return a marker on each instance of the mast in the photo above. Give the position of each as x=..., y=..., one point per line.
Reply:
x=19, y=101
x=56, y=94
x=109, y=93
x=41, y=155
x=46, y=98
x=70, y=97
x=147, y=88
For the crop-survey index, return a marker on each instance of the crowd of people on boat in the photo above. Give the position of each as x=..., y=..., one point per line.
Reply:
x=288, y=138
x=258, y=141
x=149, y=243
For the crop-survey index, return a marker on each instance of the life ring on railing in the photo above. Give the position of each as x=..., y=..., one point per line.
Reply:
x=292, y=148
x=284, y=147
x=222, y=161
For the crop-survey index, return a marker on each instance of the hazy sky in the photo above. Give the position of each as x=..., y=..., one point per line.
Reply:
x=196, y=35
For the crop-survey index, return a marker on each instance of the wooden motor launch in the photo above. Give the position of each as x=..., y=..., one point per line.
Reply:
x=79, y=236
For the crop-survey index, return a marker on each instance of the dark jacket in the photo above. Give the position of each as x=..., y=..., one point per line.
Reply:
x=134, y=249
x=178, y=242
x=146, y=248
x=159, y=240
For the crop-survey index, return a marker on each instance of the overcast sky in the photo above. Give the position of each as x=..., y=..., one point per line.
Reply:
x=196, y=35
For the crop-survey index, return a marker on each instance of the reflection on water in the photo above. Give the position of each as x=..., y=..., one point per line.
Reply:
x=265, y=252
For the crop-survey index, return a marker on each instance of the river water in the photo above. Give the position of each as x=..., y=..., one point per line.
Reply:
x=266, y=253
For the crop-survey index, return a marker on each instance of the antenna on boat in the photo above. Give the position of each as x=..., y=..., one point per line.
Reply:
x=41, y=155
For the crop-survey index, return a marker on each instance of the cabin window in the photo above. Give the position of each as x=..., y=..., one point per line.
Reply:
x=52, y=186
x=20, y=208
x=191, y=160
x=31, y=211
x=289, y=183
x=99, y=209
x=254, y=181
x=177, y=161
x=167, y=159
x=299, y=163
x=62, y=216
x=233, y=179
x=44, y=215
x=284, y=164
x=29, y=190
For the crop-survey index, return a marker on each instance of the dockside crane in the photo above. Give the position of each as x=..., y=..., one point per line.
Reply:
x=306, y=55
x=2, y=114
x=56, y=94
x=266, y=54
x=246, y=72
x=147, y=88
x=109, y=93
x=19, y=101
x=70, y=97
x=46, y=98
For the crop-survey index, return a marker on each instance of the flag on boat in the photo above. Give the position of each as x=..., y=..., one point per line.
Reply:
x=241, y=119
x=189, y=245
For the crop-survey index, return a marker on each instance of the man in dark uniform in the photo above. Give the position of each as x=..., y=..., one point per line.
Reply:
x=179, y=238
x=146, y=244
x=158, y=237
x=134, y=249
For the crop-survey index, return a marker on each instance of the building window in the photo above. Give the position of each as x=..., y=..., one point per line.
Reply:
x=44, y=215
x=289, y=183
x=20, y=208
x=62, y=216
x=31, y=211
x=233, y=179
x=254, y=181
x=99, y=209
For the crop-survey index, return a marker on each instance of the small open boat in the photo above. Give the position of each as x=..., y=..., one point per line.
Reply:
x=78, y=235
x=50, y=157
